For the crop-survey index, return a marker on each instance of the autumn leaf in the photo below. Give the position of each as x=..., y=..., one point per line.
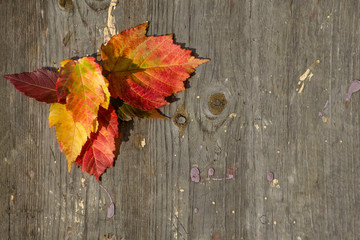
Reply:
x=39, y=85
x=138, y=70
x=71, y=135
x=127, y=112
x=85, y=88
x=143, y=70
x=97, y=153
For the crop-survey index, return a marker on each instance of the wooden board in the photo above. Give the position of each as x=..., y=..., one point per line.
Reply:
x=246, y=112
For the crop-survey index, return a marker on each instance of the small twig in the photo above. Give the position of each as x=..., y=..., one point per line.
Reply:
x=53, y=154
x=111, y=208
x=177, y=218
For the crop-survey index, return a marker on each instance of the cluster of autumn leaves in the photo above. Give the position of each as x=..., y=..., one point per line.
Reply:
x=139, y=70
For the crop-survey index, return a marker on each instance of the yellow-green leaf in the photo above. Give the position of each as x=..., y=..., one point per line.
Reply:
x=82, y=84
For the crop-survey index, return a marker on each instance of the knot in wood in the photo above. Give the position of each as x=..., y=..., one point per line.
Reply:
x=217, y=103
x=99, y=5
x=180, y=120
x=66, y=4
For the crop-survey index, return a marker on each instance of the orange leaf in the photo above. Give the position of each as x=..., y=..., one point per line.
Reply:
x=82, y=83
x=144, y=70
x=97, y=153
x=70, y=135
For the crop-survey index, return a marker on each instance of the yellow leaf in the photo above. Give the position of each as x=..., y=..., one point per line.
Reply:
x=105, y=104
x=71, y=136
x=64, y=62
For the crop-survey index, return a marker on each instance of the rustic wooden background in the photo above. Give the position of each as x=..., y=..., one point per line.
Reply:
x=245, y=113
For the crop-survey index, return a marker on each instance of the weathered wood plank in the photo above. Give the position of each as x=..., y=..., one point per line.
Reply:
x=258, y=50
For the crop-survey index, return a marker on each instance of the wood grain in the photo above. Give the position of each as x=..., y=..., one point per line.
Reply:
x=258, y=50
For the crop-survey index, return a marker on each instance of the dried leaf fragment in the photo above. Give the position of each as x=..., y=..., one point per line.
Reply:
x=127, y=113
x=353, y=88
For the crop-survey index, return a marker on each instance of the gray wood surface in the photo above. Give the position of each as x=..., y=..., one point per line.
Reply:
x=243, y=112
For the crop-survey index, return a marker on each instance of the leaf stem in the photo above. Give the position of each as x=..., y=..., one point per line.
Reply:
x=111, y=208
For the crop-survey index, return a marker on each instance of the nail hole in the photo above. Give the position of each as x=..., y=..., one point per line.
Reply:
x=180, y=119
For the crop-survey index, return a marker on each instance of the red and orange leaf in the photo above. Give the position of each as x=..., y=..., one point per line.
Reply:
x=40, y=84
x=97, y=153
x=85, y=88
x=127, y=113
x=144, y=70
x=71, y=135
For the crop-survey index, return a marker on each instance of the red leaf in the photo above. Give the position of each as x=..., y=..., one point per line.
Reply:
x=144, y=70
x=40, y=84
x=97, y=153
